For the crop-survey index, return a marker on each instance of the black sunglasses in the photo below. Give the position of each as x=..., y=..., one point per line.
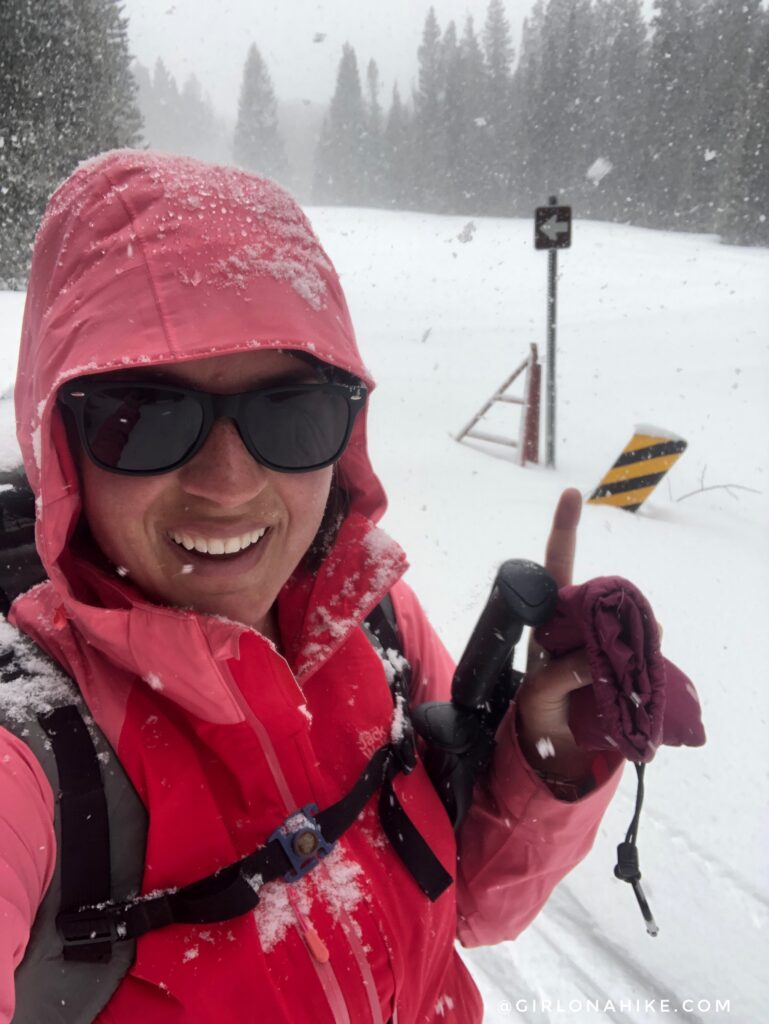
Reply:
x=145, y=428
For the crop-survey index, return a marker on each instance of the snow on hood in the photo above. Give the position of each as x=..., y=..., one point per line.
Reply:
x=143, y=257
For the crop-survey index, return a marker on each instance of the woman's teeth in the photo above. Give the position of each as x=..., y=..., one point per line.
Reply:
x=216, y=545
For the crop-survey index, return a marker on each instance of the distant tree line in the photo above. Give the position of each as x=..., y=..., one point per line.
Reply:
x=663, y=124
x=179, y=120
x=182, y=120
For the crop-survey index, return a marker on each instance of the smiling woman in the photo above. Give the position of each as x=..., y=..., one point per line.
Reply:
x=241, y=527
x=206, y=512
x=191, y=407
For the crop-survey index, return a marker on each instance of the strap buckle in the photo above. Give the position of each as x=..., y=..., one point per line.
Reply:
x=302, y=841
x=87, y=937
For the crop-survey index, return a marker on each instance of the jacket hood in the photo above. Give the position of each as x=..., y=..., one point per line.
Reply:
x=142, y=258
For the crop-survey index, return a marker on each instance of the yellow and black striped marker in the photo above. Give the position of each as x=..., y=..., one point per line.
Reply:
x=645, y=460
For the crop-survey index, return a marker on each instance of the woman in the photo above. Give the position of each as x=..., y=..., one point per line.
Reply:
x=210, y=562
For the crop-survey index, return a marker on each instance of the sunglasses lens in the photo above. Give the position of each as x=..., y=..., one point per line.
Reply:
x=143, y=428
x=140, y=430
x=298, y=429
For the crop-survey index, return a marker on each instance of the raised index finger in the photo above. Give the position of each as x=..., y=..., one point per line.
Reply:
x=562, y=542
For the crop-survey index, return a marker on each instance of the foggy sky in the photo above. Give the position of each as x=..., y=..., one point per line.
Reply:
x=211, y=40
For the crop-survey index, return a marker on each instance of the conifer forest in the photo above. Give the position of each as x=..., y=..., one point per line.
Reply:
x=654, y=116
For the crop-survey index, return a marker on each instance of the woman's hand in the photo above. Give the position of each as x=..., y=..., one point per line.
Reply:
x=543, y=701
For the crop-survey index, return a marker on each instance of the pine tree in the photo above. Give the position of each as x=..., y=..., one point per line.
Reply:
x=163, y=128
x=549, y=87
x=744, y=212
x=476, y=163
x=429, y=58
x=498, y=52
x=66, y=93
x=160, y=104
x=569, y=100
x=398, y=153
x=340, y=163
x=445, y=178
x=579, y=121
x=729, y=44
x=374, y=109
x=143, y=81
x=198, y=121
x=257, y=144
x=429, y=127
x=374, y=142
x=526, y=102
x=466, y=121
x=615, y=127
x=104, y=110
x=675, y=77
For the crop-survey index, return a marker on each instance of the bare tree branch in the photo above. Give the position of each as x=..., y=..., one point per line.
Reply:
x=724, y=487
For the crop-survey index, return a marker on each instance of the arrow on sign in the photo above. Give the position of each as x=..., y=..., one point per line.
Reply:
x=553, y=227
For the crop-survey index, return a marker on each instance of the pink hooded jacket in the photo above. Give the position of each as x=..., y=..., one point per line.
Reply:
x=143, y=258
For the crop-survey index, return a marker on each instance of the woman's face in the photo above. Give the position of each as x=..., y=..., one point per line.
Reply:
x=221, y=495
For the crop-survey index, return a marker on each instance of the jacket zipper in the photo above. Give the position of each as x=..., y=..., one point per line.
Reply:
x=363, y=965
x=323, y=968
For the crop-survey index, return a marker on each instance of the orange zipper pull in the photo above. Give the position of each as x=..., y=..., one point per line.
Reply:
x=316, y=945
x=312, y=940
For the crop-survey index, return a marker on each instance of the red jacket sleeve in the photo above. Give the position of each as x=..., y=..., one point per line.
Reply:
x=27, y=855
x=518, y=840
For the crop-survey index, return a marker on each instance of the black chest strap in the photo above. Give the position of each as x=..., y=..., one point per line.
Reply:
x=90, y=922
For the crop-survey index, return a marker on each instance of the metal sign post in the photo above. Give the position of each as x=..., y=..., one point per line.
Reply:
x=552, y=231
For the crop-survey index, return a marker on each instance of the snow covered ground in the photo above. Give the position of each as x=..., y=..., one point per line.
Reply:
x=654, y=327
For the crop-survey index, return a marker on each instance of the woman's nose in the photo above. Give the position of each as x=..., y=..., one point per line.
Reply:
x=224, y=471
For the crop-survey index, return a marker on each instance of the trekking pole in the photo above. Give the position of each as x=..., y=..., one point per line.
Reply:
x=460, y=734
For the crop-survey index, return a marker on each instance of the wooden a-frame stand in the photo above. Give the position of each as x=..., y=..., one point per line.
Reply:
x=527, y=442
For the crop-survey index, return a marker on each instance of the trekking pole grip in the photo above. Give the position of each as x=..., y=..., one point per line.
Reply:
x=523, y=594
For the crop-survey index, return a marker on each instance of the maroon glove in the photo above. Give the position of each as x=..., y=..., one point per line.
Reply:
x=638, y=699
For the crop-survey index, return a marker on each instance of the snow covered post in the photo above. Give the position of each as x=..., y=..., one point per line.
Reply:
x=552, y=231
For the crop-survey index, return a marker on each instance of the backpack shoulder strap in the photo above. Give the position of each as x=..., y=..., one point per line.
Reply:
x=42, y=706
x=20, y=565
x=381, y=628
